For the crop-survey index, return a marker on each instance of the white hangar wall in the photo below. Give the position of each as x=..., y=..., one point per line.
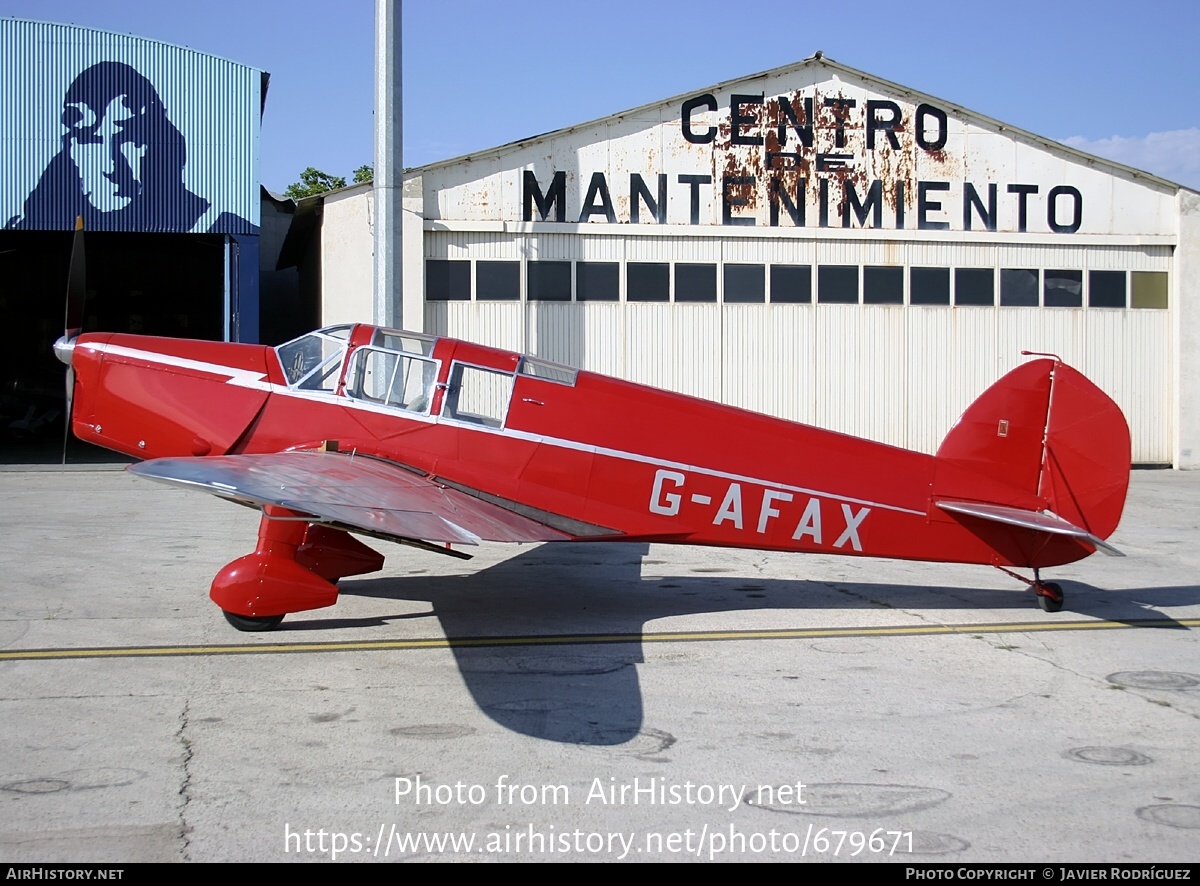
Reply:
x=820, y=245
x=900, y=374
x=348, y=247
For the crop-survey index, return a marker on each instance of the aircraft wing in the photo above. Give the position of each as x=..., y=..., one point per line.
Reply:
x=355, y=492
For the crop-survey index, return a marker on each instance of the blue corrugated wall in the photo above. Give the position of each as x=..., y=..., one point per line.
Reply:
x=132, y=135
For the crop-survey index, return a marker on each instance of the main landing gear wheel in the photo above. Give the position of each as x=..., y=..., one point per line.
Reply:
x=1050, y=596
x=253, y=623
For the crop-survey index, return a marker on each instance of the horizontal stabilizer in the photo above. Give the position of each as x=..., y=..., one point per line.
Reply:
x=1039, y=521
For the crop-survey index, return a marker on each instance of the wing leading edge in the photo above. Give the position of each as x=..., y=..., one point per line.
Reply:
x=355, y=492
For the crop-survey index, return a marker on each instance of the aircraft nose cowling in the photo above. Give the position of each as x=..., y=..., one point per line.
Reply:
x=157, y=397
x=82, y=354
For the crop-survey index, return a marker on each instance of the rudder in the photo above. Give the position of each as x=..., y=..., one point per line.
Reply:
x=1085, y=472
x=1042, y=437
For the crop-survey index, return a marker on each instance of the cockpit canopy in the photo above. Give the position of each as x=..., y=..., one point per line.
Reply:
x=313, y=361
x=395, y=368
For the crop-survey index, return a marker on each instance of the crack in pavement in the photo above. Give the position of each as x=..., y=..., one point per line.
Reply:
x=185, y=787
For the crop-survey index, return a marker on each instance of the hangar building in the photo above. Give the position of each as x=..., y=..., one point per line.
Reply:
x=156, y=147
x=811, y=242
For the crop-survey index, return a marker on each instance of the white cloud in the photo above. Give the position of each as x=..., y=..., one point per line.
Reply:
x=1173, y=155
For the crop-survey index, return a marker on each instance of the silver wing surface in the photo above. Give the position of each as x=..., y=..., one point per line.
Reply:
x=355, y=492
x=1037, y=520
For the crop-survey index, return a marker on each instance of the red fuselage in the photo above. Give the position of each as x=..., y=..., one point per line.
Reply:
x=625, y=461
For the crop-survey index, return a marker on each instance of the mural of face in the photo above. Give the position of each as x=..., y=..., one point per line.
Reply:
x=121, y=163
x=107, y=151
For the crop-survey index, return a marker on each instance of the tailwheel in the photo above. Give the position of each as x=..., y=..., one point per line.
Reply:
x=1050, y=596
x=253, y=623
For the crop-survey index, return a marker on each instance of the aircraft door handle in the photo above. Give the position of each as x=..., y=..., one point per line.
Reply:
x=533, y=401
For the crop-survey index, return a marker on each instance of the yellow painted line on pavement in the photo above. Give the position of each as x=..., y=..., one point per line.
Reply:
x=924, y=630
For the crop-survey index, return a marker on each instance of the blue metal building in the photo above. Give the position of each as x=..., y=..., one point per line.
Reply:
x=156, y=148
x=137, y=137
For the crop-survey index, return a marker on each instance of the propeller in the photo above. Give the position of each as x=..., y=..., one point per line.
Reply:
x=73, y=322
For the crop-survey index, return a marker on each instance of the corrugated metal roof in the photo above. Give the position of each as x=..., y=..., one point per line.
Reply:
x=130, y=36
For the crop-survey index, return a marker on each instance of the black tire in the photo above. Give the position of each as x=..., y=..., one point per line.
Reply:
x=253, y=623
x=1051, y=604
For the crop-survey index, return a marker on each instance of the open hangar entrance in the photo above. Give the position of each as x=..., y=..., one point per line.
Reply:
x=151, y=284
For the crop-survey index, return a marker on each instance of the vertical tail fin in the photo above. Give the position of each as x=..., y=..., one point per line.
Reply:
x=1042, y=437
x=1085, y=471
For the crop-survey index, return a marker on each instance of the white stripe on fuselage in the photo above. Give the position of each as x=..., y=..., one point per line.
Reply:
x=241, y=378
x=248, y=378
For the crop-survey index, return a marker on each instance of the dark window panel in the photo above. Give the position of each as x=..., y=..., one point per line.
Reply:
x=1106, y=289
x=549, y=280
x=497, y=281
x=745, y=284
x=883, y=286
x=791, y=284
x=837, y=284
x=974, y=286
x=597, y=281
x=929, y=286
x=447, y=280
x=1019, y=287
x=648, y=281
x=695, y=283
x=1063, y=289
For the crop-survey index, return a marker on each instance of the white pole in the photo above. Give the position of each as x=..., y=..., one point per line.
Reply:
x=389, y=166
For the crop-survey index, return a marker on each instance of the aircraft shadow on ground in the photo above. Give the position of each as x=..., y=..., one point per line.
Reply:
x=587, y=692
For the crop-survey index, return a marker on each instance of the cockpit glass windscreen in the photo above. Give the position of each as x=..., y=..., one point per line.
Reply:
x=312, y=362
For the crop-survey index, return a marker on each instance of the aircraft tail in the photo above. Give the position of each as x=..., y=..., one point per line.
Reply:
x=1042, y=438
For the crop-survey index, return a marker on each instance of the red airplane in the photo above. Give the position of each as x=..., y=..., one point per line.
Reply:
x=433, y=442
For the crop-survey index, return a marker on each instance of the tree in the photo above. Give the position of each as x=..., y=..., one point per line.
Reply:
x=314, y=181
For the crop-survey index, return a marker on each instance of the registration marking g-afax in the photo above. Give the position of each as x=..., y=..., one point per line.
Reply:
x=812, y=523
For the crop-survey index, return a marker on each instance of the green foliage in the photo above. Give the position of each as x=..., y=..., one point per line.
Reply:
x=314, y=181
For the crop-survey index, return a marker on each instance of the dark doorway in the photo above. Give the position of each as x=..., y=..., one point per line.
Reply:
x=150, y=284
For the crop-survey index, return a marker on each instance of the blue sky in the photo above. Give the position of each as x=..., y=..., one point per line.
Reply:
x=1116, y=79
